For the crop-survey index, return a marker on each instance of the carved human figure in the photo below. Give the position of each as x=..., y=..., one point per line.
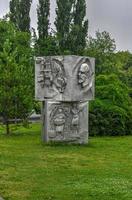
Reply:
x=48, y=76
x=59, y=79
x=51, y=78
x=45, y=77
x=84, y=76
x=75, y=118
x=59, y=123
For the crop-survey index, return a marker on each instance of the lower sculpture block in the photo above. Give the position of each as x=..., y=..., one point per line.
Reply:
x=65, y=122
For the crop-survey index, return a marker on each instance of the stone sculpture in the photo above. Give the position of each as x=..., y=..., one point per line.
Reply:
x=65, y=84
x=64, y=78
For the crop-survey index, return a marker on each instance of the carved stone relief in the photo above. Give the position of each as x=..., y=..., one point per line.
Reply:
x=51, y=79
x=85, y=76
x=67, y=121
x=64, y=78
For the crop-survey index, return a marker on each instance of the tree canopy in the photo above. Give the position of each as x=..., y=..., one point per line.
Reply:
x=20, y=14
x=16, y=74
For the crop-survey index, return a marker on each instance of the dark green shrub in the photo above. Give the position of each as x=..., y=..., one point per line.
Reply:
x=111, y=112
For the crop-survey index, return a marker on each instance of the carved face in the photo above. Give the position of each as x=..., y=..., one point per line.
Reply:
x=48, y=77
x=83, y=73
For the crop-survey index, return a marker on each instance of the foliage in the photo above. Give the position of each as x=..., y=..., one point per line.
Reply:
x=124, y=63
x=71, y=26
x=14, y=8
x=111, y=112
x=79, y=28
x=102, y=48
x=63, y=21
x=24, y=15
x=20, y=14
x=46, y=43
x=47, y=47
x=43, y=11
x=16, y=74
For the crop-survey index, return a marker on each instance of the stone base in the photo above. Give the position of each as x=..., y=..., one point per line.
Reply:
x=65, y=122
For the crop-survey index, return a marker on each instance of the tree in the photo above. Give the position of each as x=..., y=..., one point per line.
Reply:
x=14, y=10
x=20, y=14
x=79, y=28
x=63, y=22
x=24, y=15
x=43, y=11
x=46, y=42
x=102, y=47
x=124, y=64
x=16, y=75
x=47, y=47
x=111, y=112
x=71, y=26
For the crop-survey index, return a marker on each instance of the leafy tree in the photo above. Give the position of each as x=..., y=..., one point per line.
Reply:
x=79, y=28
x=124, y=64
x=16, y=74
x=71, y=26
x=46, y=43
x=47, y=47
x=24, y=15
x=124, y=60
x=63, y=21
x=14, y=11
x=43, y=12
x=102, y=47
x=20, y=14
x=111, y=112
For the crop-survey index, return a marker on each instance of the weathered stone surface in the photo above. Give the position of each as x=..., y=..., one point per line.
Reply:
x=64, y=78
x=65, y=122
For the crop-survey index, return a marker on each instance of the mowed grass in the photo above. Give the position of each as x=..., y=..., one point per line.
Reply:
x=31, y=170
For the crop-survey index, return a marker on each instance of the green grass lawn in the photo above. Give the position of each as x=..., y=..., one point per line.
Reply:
x=31, y=170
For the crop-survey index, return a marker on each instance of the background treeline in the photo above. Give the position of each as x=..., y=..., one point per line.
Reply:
x=111, y=112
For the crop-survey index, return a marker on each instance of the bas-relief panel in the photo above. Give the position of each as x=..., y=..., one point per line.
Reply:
x=67, y=78
x=67, y=122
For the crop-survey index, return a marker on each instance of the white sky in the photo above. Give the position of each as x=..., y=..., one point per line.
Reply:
x=114, y=16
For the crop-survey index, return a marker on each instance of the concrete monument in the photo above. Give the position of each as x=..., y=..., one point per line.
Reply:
x=65, y=84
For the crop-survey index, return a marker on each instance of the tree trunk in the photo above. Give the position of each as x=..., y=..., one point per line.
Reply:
x=7, y=128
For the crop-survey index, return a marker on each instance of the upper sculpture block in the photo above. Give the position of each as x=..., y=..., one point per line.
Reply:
x=64, y=78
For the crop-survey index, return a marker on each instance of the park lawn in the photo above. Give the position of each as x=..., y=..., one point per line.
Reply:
x=31, y=170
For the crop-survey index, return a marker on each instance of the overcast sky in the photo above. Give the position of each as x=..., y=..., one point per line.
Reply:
x=114, y=16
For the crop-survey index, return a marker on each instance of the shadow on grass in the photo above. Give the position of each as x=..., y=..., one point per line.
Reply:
x=67, y=144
